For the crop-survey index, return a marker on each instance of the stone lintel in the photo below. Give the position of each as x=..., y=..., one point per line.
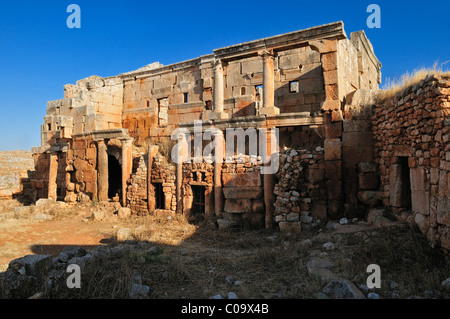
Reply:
x=105, y=134
x=260, y=121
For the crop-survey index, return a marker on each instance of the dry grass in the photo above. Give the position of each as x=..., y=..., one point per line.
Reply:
x=391, y=87
x=404, y=256
x=193, y=262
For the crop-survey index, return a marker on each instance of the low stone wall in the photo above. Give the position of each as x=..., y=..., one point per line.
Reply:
x=301, y=193
x=243, y=191
x=137, y=189
x=412, y=148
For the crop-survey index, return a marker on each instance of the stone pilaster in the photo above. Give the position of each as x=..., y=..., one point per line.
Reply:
x=218, y=193
x=53, y=172
x=127, y=167
x=103, y=175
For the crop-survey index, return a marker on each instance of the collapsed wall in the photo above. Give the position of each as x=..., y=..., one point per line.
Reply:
x=301, y=191
x=412, y=149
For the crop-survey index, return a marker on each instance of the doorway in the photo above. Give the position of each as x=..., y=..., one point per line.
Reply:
x=405, y=183
x=197, y=213
x=115, y=177
x=159, y=196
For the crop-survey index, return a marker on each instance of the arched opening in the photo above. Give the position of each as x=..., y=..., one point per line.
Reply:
x=115, y=177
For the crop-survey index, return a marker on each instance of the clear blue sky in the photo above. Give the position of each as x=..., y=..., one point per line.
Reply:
x=39, y=54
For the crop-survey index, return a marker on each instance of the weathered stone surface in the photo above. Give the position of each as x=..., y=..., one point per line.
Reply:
x=35, y=265
x=124, y=234
x=237, y=205
x=333, y=149
x=124, y=212
x=371, y=198
x=98, y=216
x=342, y=289
x=242, y=193
x=251, y=179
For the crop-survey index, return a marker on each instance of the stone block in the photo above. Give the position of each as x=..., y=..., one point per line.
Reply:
x=34, y=265
x=331, y=105
x=242, y=192
x=293, y=217
x=352, y=155
x=314, y=175
x=337, y=116
x=237, y=205
x=333, y=149
x=124, y=234
x=355, y=125
x=124, y=212
x=420, y=202
x=357, y=139
x=417, y=176
x=422, y=223
x=334, y=190
x=367, y=167
x=333, y=170
x=333, y=130
x=319, y=211
x=443, y=211
x=329, y=61
x=370, y=198
x=368, y=181
x=250, y=179
x=258, y=206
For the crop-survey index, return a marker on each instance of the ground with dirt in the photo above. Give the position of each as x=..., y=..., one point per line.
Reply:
x=176, y=259
x=201, y=261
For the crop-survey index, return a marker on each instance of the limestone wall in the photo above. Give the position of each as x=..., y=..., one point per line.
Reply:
x=412, y=148
x=301, y=191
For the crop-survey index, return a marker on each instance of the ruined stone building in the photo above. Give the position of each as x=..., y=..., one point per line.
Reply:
x=110, y=138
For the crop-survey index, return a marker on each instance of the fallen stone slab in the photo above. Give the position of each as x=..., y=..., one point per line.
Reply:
x=34, y=265
x=342, y=289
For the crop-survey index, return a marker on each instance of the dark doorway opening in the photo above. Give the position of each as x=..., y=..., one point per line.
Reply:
x=159, y=196
x=198, y=204
x=115, y=177
x=405, y=182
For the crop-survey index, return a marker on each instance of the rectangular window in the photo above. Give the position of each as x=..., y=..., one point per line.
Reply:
x=186, y=97
x=294, y=87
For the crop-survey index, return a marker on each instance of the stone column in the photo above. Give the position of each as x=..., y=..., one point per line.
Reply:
x=268, y=178
x=268, y=85
x=218, y=86
x=127, y=167
x=218, y=94
x=218, y=193
x=103, y=177
x=179, y=171
x=52, y=174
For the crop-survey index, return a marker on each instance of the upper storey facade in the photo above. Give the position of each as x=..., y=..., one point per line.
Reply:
x=274, y=81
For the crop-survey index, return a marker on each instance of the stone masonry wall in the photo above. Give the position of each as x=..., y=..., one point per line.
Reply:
x=411, y=145
x=137, y=189
x=301, y=195
x=243, y=191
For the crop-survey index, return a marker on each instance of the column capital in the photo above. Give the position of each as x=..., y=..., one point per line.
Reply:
x=128, y=142
x=217, y=63
x=267, y=54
